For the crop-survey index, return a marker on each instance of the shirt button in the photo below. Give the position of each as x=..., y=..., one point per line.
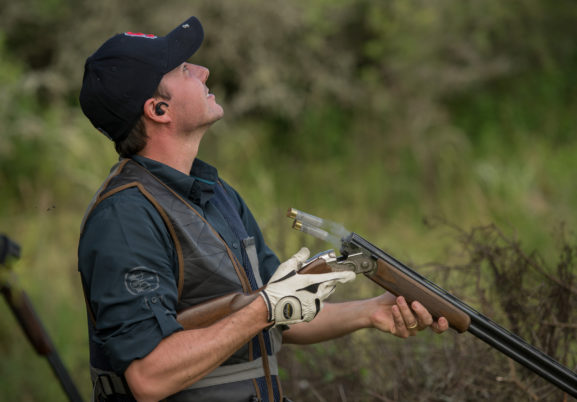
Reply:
x=154, y=299
x=235, y=245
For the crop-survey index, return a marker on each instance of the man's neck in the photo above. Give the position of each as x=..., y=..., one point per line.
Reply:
x=177, y=152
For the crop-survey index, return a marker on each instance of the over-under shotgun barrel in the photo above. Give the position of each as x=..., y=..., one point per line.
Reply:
x=479, y=325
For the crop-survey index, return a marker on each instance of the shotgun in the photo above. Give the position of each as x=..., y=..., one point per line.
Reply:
x=362, y=257
x=26, y=316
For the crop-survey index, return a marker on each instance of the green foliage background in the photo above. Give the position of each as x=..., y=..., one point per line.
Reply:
x=377, y=114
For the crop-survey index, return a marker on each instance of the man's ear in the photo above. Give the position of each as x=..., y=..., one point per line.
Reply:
x=155, y=110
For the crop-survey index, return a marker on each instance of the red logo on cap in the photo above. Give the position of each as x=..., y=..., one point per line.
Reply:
x=140, y=35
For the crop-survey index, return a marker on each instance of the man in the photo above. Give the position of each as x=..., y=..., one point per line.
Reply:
x=164, y=233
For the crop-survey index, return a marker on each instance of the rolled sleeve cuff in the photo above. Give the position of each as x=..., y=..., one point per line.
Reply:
x=142, y=338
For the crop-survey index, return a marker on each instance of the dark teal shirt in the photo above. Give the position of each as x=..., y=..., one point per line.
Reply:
x=124, y=232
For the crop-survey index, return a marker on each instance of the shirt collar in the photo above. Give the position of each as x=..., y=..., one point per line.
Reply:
x=198, y=186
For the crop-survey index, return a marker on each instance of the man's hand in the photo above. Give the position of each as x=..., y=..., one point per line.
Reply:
x=292, y=297
x=393, y=314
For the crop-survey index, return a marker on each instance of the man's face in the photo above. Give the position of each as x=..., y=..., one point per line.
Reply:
x=191, y=104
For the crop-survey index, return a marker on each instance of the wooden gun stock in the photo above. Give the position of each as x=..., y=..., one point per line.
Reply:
x=207, y=313
x=391, y=279
x=22, y=309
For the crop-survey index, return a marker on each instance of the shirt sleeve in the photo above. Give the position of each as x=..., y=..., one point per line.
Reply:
x=268, y=260
x=128, y=266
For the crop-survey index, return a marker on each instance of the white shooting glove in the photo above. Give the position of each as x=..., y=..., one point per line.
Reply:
x=292, y=297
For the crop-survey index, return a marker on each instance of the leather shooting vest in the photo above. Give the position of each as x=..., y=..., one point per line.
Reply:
x=207, y=269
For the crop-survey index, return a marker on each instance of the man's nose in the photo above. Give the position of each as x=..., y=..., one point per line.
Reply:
x=202, y=72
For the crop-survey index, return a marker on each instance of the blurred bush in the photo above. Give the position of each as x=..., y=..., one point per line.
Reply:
x=416, y=98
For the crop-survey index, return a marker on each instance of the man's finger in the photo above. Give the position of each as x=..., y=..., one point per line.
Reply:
x=440, y=326
x=424, y=317
x=302, y=255
x=400, y=326
x=409, y=318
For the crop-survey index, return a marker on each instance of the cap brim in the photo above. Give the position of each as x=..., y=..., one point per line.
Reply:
x=184, y=41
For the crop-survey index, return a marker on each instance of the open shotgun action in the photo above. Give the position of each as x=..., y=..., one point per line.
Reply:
x=362, y=257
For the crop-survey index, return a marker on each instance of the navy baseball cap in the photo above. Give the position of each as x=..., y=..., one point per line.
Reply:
x=126, y=70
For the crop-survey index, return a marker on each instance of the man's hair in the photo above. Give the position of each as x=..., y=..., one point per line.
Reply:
x=135, y=141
